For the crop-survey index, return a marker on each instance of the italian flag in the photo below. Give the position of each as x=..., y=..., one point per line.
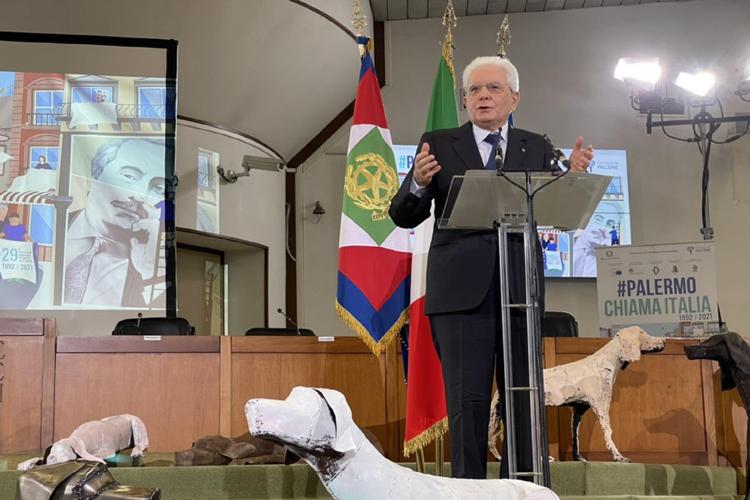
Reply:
x=374, y=255
x=426, y=413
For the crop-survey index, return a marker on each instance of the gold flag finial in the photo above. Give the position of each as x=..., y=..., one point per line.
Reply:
x=359, y=21
x=503, y=37
x=449, y=17
x=450, y=21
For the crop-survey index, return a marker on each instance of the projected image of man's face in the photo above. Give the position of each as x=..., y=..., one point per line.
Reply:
x=127, y=183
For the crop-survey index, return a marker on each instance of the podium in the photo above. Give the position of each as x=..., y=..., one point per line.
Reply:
x=513, y=202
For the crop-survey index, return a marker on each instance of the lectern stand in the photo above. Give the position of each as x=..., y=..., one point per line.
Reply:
x=512, y=202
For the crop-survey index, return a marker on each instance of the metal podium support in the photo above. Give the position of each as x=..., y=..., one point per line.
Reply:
x=484, y=200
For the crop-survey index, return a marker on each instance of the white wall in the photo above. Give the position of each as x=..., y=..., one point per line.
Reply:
x=566, y=60
x=252, y=209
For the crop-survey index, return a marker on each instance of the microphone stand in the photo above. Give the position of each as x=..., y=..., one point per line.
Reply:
x=280, y=311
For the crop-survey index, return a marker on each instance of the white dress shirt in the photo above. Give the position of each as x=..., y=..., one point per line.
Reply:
x=485, y=150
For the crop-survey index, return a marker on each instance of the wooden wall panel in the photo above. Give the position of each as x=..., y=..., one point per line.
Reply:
x=657, y=412
x=731, y=423
x=175, y=394
x=26, y=364
x=22, y=359
x=345, y=365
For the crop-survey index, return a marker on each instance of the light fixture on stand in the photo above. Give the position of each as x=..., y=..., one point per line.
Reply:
x=650, y=96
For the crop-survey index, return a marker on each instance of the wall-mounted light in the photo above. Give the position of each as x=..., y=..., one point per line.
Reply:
x=250, y=162
x=317, y=212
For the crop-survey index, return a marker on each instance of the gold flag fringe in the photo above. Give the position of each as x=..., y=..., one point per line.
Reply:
x=425, y=437
x=378, y=347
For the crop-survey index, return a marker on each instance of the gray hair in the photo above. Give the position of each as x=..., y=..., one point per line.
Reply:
x=108, y=151
x=510, y=71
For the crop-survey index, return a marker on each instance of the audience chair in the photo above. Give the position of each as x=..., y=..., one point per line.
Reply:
x=153, y=326
x=559, y=324
x=259, y=330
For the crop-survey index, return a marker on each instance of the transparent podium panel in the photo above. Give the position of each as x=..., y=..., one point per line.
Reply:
x=480, y=198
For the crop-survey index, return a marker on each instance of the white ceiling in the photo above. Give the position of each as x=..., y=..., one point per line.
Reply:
x=394, y=10
x=278, y=70
x=274, y=69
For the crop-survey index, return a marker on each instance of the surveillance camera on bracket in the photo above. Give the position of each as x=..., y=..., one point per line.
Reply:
x=250, y=162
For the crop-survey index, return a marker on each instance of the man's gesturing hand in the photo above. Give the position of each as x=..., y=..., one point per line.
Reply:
x=425, y=166
x=579, y=157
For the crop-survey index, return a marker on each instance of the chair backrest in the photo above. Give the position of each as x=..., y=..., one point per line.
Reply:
x=559, y=324
x=153, y=326
x=259, y=330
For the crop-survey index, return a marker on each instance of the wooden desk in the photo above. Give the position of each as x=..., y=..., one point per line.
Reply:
x=662, y=407
x=665, y=408
x=172, y=384
x=27, y=361
x=269, y=367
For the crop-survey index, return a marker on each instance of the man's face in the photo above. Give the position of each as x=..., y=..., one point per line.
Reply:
x=128, y=188
x=488, y=97
x=14, y=220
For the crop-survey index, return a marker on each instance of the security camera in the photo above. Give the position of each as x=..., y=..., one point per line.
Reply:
x=251, y=162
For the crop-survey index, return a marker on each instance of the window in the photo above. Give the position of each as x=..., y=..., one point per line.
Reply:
x=92, y=94
x=51, y=156
x=204, y=163
x=47, y=106
x=42, y=227
x=152, y=102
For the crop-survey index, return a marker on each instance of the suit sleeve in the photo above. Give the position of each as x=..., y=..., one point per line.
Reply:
x=407, y=209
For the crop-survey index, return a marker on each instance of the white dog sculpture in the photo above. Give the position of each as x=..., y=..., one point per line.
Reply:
x=588, y=383
x=317, y=425
x=95, y=441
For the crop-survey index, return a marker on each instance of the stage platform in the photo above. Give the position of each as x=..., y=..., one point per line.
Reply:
x=570, y=480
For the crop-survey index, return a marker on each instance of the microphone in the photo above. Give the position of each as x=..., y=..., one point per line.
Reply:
x=280, y=311
x=557, y=155
x=499, y=161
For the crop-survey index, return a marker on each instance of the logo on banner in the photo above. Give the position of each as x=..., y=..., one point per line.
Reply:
x=17, y=260
x=663, y=285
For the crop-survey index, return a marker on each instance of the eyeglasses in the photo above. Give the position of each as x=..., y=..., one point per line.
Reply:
x=492, y=88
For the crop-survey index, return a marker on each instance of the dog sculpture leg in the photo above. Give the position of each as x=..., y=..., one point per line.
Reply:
x=140, y=436
x=579, y=408
x=603, y=416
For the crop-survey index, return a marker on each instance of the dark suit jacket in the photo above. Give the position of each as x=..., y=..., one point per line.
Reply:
x=461, y=263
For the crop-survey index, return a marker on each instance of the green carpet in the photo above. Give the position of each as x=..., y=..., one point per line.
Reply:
x=570, y=480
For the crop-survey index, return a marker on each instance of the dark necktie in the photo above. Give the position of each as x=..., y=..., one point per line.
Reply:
x=77, y=273
x=495, y=160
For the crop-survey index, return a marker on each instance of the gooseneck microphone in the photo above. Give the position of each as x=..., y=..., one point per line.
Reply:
x=557, y=155
x=281, y=311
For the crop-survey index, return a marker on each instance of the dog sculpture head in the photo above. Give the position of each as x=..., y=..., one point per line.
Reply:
x=313, y=423
x=729, y=350
x=634, y=341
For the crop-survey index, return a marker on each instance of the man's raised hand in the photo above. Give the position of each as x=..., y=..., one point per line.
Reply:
x=425, y=166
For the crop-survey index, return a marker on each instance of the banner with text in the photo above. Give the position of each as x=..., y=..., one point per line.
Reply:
x=672, y=284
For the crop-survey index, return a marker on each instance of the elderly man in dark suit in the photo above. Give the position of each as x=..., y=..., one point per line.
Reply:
x=462, y=284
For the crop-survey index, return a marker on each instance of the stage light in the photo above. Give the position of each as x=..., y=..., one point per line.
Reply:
x=743, y=87
x=640, y=72
x=696, y=83
x=745, y=73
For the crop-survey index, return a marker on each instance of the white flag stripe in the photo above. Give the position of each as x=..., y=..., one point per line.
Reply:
x=357, y=132
x=422, y=238
x=351, y=234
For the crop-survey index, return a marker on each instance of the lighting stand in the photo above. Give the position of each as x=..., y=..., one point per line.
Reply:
x=704, y=126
